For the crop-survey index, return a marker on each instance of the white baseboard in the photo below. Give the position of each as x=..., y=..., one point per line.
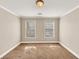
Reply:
x=69, y=49
x=9, y=50
x=39, y=42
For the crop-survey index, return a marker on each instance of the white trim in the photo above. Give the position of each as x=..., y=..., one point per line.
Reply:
x=9, y=50
x=70, y=11
x=69, y=49
x=8, y=10
x=39, y=42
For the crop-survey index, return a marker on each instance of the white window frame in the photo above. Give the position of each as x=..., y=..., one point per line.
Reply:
x=53, y=35
x=27, y=30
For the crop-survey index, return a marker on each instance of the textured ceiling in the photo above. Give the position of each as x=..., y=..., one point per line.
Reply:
x=28, y=7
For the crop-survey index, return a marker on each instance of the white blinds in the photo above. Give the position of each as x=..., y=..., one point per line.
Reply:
x=49, y=29
x=31, y=29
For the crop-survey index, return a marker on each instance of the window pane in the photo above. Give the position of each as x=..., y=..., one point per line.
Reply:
x=48, y=29
x=30, y=29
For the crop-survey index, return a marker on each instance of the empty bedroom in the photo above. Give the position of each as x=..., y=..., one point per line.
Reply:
x=39, y=29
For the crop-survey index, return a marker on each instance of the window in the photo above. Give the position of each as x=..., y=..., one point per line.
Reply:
x=49, y=30
x=31, y=29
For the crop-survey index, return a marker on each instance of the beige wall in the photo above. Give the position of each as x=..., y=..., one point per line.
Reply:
x=69, y=31
x=9, y=31
x=39, y=28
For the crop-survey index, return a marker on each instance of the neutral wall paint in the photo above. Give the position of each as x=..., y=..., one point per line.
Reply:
x=9, y=31
x=69, y=31
x=39, y=29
